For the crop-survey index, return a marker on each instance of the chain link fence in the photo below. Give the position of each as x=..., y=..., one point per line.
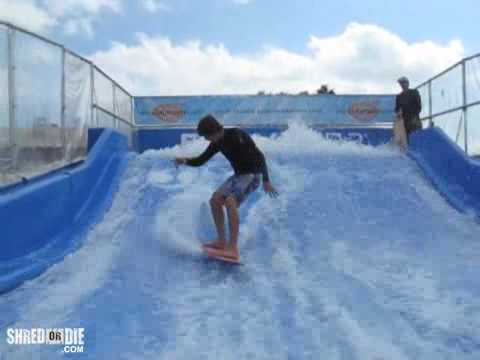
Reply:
x=49, y=98
x=451, y=101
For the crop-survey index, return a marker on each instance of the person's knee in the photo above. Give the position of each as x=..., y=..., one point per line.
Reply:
x=231, y=202
x=216, y=200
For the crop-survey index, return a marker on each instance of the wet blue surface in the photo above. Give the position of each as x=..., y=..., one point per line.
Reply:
x=358, y=258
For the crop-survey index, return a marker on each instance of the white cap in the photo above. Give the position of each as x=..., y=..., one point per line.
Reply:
x=403, y=79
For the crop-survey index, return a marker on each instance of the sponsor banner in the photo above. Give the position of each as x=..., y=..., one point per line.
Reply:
x=265, y=110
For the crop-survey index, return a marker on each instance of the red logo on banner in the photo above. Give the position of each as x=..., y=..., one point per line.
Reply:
x=168, y=112
x=363, y=110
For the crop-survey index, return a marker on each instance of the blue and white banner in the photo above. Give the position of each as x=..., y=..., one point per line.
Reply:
x=265, y=110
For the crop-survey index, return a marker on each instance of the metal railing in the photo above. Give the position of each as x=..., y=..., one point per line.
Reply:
x=451, y=101
x=49, y=98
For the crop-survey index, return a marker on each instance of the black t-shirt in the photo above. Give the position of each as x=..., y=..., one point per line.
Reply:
x=239, y=149
x=410, y=103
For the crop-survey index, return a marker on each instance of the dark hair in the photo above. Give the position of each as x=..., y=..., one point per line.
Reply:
x=208, y=125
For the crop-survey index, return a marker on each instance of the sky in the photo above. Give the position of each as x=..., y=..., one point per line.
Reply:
x=192, y=47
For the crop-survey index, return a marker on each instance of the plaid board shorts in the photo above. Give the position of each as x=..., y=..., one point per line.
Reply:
x=240, y=186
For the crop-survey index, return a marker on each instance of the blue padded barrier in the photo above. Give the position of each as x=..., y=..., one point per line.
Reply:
x=39, y=217
x=452, y=172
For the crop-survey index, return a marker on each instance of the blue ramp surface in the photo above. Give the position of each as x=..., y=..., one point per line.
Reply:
x=358, y=258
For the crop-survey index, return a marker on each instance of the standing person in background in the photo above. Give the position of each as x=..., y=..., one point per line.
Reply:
x=408, y=106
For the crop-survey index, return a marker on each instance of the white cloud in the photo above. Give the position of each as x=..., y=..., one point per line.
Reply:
x=77, y=16
x=371, y=54
x=26, y=14
x=70, y=7
x=79, y=26
x=155, y=6
x=362, y=59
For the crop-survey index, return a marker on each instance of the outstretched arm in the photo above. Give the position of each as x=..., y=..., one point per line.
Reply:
x=199, y=160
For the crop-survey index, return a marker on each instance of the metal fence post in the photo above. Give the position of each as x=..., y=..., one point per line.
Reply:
x=63, y=107
x=464, y=103
x=132, y=127
x=12, y=97
x=114, y=103
x=132, y=110
x=430, y=120
x=92, y=97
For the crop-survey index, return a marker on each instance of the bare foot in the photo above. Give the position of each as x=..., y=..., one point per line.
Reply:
x=217, y=244
x=231, y=252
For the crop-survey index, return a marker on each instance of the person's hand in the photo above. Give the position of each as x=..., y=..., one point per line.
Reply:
x=269, y=189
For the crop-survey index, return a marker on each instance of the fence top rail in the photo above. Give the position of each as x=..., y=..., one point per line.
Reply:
x=441, y=73
x=40, y=37
x=73, y=53
x=472, y=57
x=448, y=69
